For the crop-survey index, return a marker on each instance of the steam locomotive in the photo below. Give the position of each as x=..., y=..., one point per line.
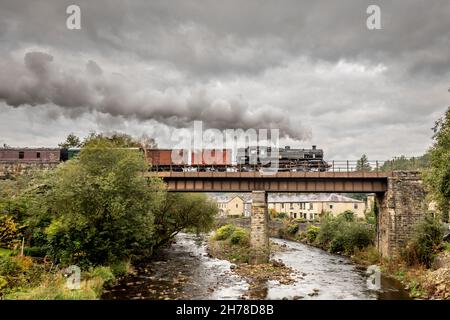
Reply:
x=246, y=159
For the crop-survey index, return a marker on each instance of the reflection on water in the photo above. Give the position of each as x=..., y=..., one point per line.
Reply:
x=328, y=276
x=184, y=271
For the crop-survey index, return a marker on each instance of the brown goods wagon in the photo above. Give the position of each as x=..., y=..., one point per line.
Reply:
x=218, y=157
x=30, y=155
x=163, y=157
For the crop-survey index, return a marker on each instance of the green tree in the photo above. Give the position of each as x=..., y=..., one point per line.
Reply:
x=72, y=141
x=404, y=163
x=180, y=211
x=437, y=177
x=100, y=205
x=363, y=164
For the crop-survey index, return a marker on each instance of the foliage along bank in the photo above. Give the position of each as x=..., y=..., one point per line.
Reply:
x=95, y=211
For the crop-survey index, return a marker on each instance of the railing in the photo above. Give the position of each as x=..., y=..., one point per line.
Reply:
x=401, y=163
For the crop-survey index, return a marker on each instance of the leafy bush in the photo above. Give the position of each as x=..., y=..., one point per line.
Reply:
x=224, y=232
x=18, y=271
x=35, y=251
x=348, y=215
x=104, y=273
x=425, y=242
x=120, y=268
x=300, y=220
x=240, y=236
x=9, y=232
x=282, y=215
x=371, y=217
x=341, y=235
x=311, y=233
x=292, y=228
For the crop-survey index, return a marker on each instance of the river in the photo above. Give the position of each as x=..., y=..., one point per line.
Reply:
x=185, y=271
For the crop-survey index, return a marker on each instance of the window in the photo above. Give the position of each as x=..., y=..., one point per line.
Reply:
x=237, y=205
x=355, y=206
x=310, y=206
x=38, y=155
x=21, y=154
x=282, y=205
x=331, y=206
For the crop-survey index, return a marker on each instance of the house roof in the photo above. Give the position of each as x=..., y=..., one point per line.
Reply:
x=290, y=197
x=226, y=198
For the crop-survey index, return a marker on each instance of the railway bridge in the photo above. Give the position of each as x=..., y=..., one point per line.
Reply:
x=400, y=198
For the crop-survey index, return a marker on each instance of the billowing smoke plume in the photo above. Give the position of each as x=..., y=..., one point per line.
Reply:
x=40, y=80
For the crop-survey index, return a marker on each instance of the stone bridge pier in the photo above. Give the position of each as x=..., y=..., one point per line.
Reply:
x=399, y=209
x=259, y=233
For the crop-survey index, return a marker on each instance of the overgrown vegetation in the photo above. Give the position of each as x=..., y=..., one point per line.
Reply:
x=343, y=235
x=232, y=243
x=425, y=243
x=437, y=177
x=95, y=211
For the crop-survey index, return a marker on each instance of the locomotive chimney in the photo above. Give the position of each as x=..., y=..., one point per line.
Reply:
x=314, y=147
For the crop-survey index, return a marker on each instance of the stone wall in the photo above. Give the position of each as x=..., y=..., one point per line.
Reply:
x=259, y=237
x=8, y=170
x=400, y=208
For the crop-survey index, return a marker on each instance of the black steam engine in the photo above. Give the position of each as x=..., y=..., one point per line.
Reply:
x=287, y=159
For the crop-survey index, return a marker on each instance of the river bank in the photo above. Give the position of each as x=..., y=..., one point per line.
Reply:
x=186, y=271
x=420, y=282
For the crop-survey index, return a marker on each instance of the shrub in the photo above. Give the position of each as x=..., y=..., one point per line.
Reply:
x=9, y=232
x=18, y=271
x=240, y=236
x=224, y=232
x=367, y=256
x=347, y=215
x=425, y=241
x=282, y=215
x=341, y=235
x=300, y=220
x=292, y=228
x=120, y=268
x=35, y=251
x=311, y=233
x=104, y=273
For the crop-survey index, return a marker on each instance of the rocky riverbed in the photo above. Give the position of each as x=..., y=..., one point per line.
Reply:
x=186, y=271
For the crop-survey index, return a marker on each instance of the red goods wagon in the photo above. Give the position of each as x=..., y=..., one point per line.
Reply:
x=211, y=157
x=165, y=157
x=30, y=155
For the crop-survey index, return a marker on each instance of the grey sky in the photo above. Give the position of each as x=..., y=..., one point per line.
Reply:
x=300, y=66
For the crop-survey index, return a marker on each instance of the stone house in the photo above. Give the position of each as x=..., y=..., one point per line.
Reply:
x=311, y=206
x=230, y=205
x=307, y=206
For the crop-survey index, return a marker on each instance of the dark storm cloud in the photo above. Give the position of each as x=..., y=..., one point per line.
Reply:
x=236, y=64
x=210, y=37
x=41, y=81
